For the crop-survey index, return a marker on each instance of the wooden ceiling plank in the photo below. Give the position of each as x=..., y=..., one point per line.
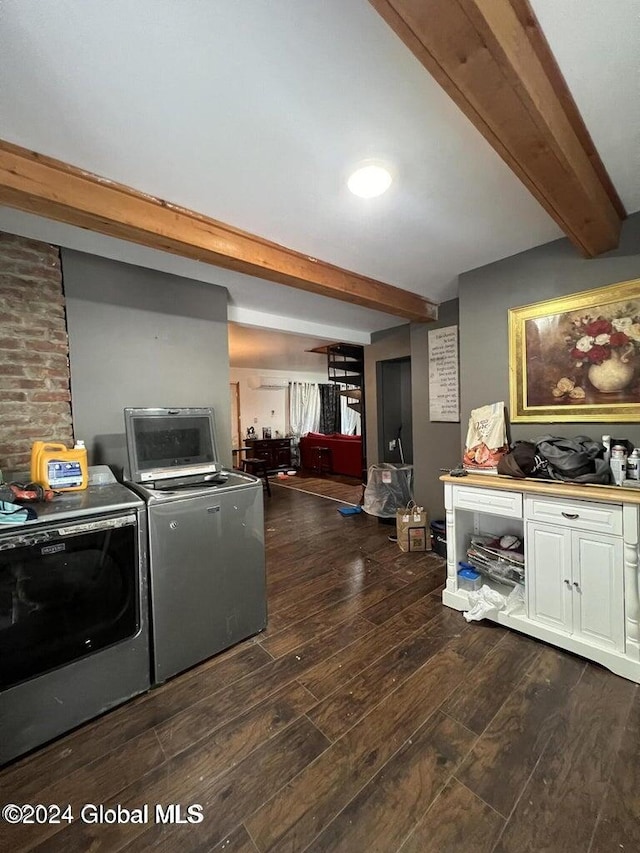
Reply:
x=550, y=152
x=523, y=62
x=458, y=36
x=56, y=190
x=541, y=46
x=490, y=56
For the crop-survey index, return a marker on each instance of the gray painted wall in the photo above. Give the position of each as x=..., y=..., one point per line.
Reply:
x=391, y=343
x=435, y=445
x=138, y=337
x=485, y=294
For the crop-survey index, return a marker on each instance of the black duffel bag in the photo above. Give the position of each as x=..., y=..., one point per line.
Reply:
x=575, y=460
x=522, y=460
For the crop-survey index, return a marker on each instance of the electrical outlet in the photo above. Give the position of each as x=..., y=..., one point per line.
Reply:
x=392, y=445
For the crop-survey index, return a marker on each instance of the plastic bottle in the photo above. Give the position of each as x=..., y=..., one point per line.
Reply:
x=53, y=466
x=618, y=464
x=606, y=440
x=633, y=465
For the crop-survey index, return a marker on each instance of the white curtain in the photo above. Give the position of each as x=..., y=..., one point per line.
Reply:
x=350, y=419
x=304, y=408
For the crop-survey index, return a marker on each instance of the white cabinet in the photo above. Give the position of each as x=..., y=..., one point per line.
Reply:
x=480, y=512
x=548, y=567
x=598, y=589
x=575, y=583
x=490, y=501
x=580, y=515
x=582, y=566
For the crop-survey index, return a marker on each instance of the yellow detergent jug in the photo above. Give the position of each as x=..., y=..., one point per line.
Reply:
x=56, y=467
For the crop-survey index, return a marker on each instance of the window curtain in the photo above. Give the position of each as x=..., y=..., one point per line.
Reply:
x=329, y=409
x=350, y=419
x=304, y=414
x=304, y=408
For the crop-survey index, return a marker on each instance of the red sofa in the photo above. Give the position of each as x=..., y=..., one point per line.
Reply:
x=345, y=457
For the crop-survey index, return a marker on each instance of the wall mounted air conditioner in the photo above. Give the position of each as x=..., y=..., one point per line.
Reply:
x=267, y=383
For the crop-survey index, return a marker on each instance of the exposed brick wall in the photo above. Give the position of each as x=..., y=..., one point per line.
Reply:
x=34, y=351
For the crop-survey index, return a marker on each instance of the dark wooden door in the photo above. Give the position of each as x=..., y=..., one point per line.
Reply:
x=394, y=410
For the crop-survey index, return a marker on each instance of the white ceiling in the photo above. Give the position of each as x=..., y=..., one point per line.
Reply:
x=270, y=350
x=254, y=112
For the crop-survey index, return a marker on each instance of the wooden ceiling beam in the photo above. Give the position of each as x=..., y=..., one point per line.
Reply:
x=493, y=60
x=57, y=190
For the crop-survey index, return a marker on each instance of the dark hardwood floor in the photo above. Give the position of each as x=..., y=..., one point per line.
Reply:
x=340, y=488
x=367, y=717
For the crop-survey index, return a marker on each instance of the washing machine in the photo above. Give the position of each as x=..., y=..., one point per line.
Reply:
x=206, y=538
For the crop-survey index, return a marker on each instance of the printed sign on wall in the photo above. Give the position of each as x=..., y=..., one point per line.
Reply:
x=444, y=389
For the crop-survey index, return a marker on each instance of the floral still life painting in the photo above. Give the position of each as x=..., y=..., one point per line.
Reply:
x=577, y=357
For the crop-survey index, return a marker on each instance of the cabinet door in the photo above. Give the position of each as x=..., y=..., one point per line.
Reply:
x=262, y=450
x=282, y=456
x=598, y=591
x=548, y=575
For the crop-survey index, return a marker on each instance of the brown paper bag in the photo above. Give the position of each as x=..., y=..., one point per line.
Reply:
x=412, y=528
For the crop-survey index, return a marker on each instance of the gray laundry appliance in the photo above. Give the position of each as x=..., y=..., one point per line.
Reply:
x=73, y=614
x=206, y=538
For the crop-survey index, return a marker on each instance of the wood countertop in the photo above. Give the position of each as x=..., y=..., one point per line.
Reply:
x=553, y=488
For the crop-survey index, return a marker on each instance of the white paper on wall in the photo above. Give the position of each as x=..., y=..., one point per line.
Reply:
x=444, y=387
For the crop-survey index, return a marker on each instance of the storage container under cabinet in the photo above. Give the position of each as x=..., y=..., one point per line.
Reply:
x=439, y=538
x=468, y=578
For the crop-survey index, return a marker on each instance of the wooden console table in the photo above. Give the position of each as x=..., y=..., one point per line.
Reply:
x=276, y=452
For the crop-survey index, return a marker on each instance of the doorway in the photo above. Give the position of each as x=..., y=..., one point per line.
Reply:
x=236, y=431
x=395, y=435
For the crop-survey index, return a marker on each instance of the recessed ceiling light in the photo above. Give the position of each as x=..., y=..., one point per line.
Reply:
x=369, y=180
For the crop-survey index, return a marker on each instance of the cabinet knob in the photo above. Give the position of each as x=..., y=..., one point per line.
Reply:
x=577, y=586
x=568, y=582
x=570, y=515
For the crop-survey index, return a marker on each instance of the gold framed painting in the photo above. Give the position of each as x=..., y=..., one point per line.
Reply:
x=577, y=358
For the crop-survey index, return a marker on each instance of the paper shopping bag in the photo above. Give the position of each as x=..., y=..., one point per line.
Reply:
x=412, y=529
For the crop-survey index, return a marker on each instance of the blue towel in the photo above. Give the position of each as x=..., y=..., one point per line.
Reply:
x=15, y=514
x=349, y=510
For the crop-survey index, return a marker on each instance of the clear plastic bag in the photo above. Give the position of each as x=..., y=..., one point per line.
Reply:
x=389, y=488
x=484, y=602
x=515, y=601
